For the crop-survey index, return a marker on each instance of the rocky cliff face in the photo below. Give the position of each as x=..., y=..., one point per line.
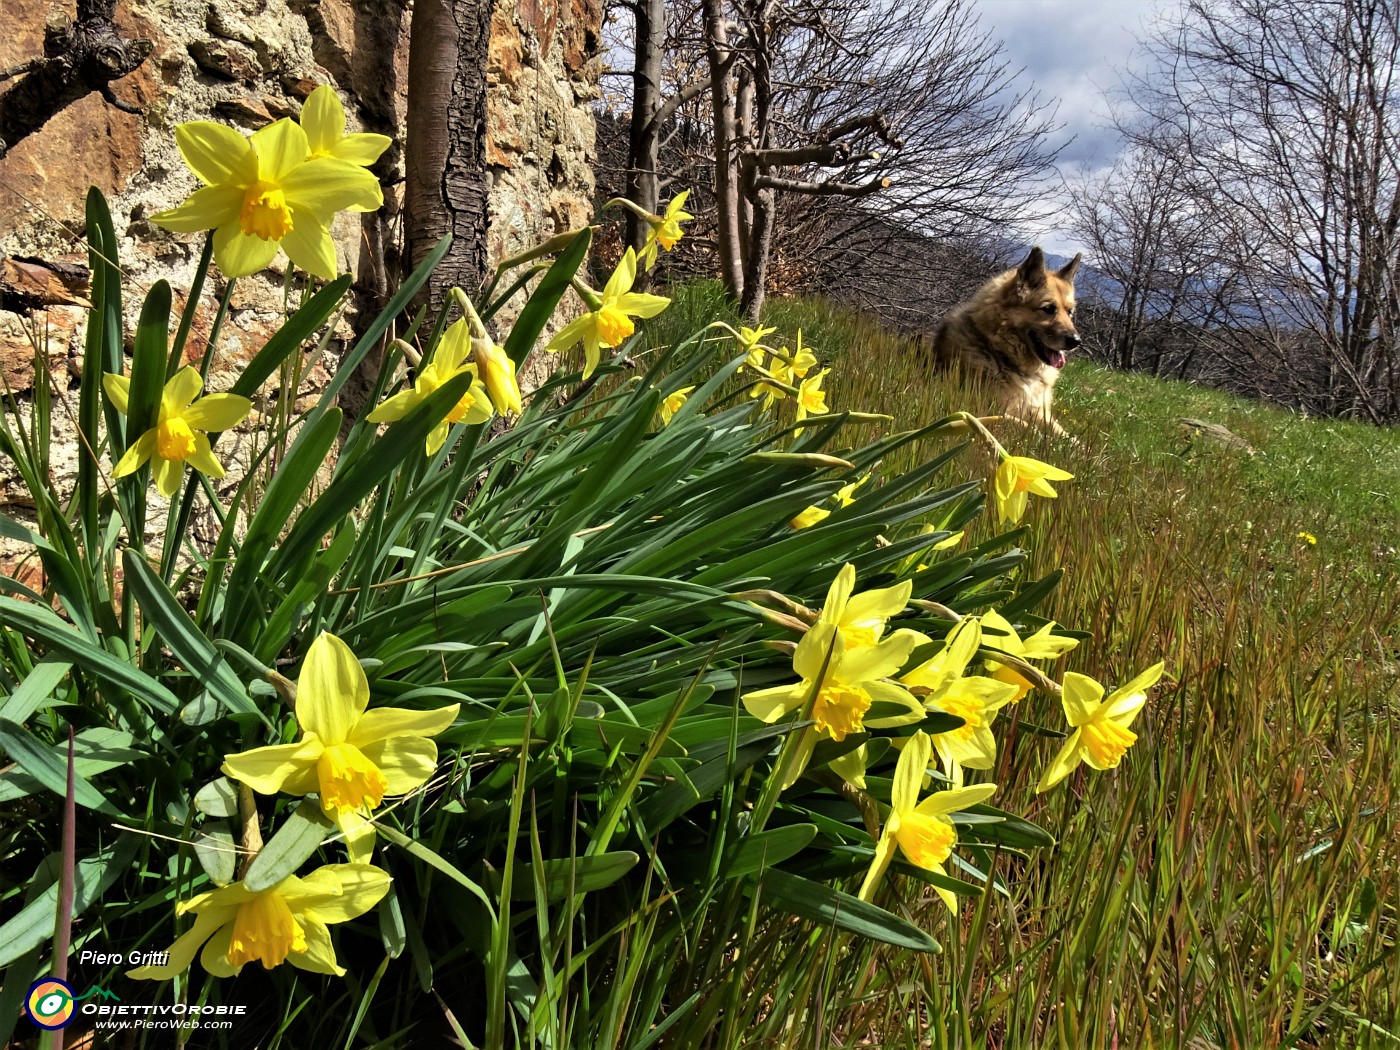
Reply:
x=246, y=63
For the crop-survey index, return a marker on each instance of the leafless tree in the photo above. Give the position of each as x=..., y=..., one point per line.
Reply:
x=831, y=134
x=1283, y=117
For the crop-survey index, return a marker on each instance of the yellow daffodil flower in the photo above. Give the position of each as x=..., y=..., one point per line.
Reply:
x=862, y=618
x=1017, y=478
x=850, y=631
x=182, y=430
x=941, y=684
x=802, y=360
x=610, y=322
x=921, y=830
x=809, y=517
x=749, y=343
x=778, y=376
x=811, y=398
x=845, y=495
x=351, y=757
x=323, y=120
x=1045, y=644
x=673, y=402
x=262, y=193
x=285, y=923
x=449, y=362
x=1101, y=735
x=852, y=683
x=497, y=372
x=665, y=229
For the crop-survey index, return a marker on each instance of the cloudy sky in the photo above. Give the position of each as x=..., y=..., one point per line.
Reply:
x=1074, y=50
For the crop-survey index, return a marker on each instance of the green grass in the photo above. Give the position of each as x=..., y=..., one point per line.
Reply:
x=1236, y=881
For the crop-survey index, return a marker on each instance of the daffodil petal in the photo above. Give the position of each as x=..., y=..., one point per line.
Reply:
x=327, y=185
x=167, y=473
x=622, y=278
x=812, y=651
x=384, y=722
x=568, y=335
x=868, y=662
x=1062, y=765
x=838, y=595
x=319, y=956
x=135, y=455
x=308, y=243
x=407, y=762
x=214, y=958
x=452, y=351
x=881, y=603
x=640, y=304
x=214, y=152
x=909, y=773
x=218, y=412
x=339, y=892
x=332, y=690
x=437, y=437
x=769, y=705
x=118, y=390
x=1124, y=709
x=955, y=800
x=203, y=459
x=358, y=832
x=180, y=389
x=395, y=408
x=1081, y=697
x=362, y=148
x=266, y=769
x=884, y=853
x=888, y=693
x=186, y=946
x=240, y=254
x=323, y=119
x=204, y=209
x=850, y=767
x=282, y=147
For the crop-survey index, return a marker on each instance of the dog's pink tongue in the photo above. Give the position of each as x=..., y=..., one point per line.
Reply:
x=1057, y=359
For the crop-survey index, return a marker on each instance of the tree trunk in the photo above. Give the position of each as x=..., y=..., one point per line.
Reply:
x=643, y=146
x=720, y=57
x=445, y=155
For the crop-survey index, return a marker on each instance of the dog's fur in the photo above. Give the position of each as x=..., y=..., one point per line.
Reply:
x=1013, y=334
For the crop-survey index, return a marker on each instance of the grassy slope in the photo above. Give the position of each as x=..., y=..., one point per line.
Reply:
x=1236, y=882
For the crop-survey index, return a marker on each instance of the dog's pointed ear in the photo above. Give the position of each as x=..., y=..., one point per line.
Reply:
x=1031, y=273
x=1066, y=272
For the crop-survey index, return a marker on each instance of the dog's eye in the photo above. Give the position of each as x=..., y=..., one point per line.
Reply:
x=1048, y=308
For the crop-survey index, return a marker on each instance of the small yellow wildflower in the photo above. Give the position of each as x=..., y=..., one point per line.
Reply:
x=750, y=344
x=1308, y=538
x=285, y=923
x=182, y=430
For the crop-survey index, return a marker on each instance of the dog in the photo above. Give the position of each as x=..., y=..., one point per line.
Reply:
x=1015, y=333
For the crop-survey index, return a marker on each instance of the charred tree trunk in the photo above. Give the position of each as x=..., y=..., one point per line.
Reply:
x=445, y=157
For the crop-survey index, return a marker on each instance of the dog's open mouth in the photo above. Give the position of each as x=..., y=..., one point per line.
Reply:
x=1053, y=358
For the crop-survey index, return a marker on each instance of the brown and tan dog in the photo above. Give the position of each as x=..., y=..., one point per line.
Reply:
x=1014, y=334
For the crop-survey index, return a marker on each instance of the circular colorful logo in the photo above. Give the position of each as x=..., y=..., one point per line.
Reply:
x=50, y=1003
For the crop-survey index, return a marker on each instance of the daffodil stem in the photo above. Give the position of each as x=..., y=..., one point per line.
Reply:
x=986, y=435
x=182, y=334
x=1031, y=674
x=782, y=601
